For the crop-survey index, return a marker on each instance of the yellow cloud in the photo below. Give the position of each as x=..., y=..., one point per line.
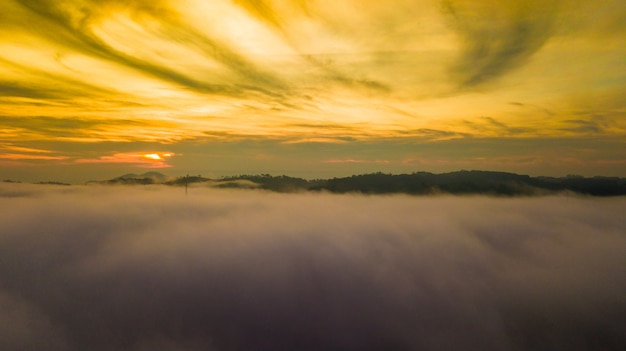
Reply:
x=294, y=72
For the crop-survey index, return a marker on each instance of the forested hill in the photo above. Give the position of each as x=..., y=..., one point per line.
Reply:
x=474, y=182
x=419, y=183
x=461, y=182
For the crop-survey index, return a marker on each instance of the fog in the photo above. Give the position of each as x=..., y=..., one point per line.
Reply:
x=148, y=268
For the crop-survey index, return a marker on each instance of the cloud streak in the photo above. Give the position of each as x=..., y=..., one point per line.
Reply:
x=498, y=36
x=140, y=268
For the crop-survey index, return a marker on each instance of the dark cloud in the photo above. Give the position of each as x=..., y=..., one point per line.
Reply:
x=543, y=110
x=434, y=133
x=487, y=123
x=336, y=73
x=498, y=36
x=595, y=124
x=103, y=268
x=17, y=89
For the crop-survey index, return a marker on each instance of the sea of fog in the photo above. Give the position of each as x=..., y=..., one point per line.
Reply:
x=150, y=268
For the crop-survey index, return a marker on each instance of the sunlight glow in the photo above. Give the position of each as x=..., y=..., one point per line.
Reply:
x=152, y=156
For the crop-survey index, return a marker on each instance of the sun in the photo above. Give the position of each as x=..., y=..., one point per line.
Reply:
x=155, y=157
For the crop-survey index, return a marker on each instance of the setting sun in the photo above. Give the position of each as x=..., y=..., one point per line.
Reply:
x=152, y=156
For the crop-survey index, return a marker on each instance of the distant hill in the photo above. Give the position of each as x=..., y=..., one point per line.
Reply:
x=418, y=183
x=461, y=182
x=183, y=180
x=473, y=182
x=281, y=183
x=132, y=178
x=155, y=176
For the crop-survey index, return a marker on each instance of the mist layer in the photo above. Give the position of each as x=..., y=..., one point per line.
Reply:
x=123, y=268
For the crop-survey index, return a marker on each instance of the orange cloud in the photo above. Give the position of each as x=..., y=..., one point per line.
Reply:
x=30, y=157
x=141, y=159
x=15, y=153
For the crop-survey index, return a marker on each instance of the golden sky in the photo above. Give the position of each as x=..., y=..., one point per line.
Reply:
x=312, y=88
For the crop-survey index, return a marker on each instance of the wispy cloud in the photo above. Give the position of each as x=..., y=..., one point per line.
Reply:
x=92, y=129
x=498, y=36
x=489, y=125
x=16, y=156
x=594, y=125
x=15, y=153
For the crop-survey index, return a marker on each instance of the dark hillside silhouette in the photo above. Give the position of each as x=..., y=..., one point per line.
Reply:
x=418, y=183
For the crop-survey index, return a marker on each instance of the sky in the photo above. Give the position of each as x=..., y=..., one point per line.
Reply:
x=148, y=268
x=311, y=88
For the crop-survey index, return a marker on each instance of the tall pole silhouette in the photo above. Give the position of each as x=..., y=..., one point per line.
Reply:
x=186, y=180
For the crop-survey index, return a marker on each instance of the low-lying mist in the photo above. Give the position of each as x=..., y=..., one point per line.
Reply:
x=148, y=268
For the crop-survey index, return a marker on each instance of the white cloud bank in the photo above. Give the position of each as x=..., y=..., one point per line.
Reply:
x=129, y=268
